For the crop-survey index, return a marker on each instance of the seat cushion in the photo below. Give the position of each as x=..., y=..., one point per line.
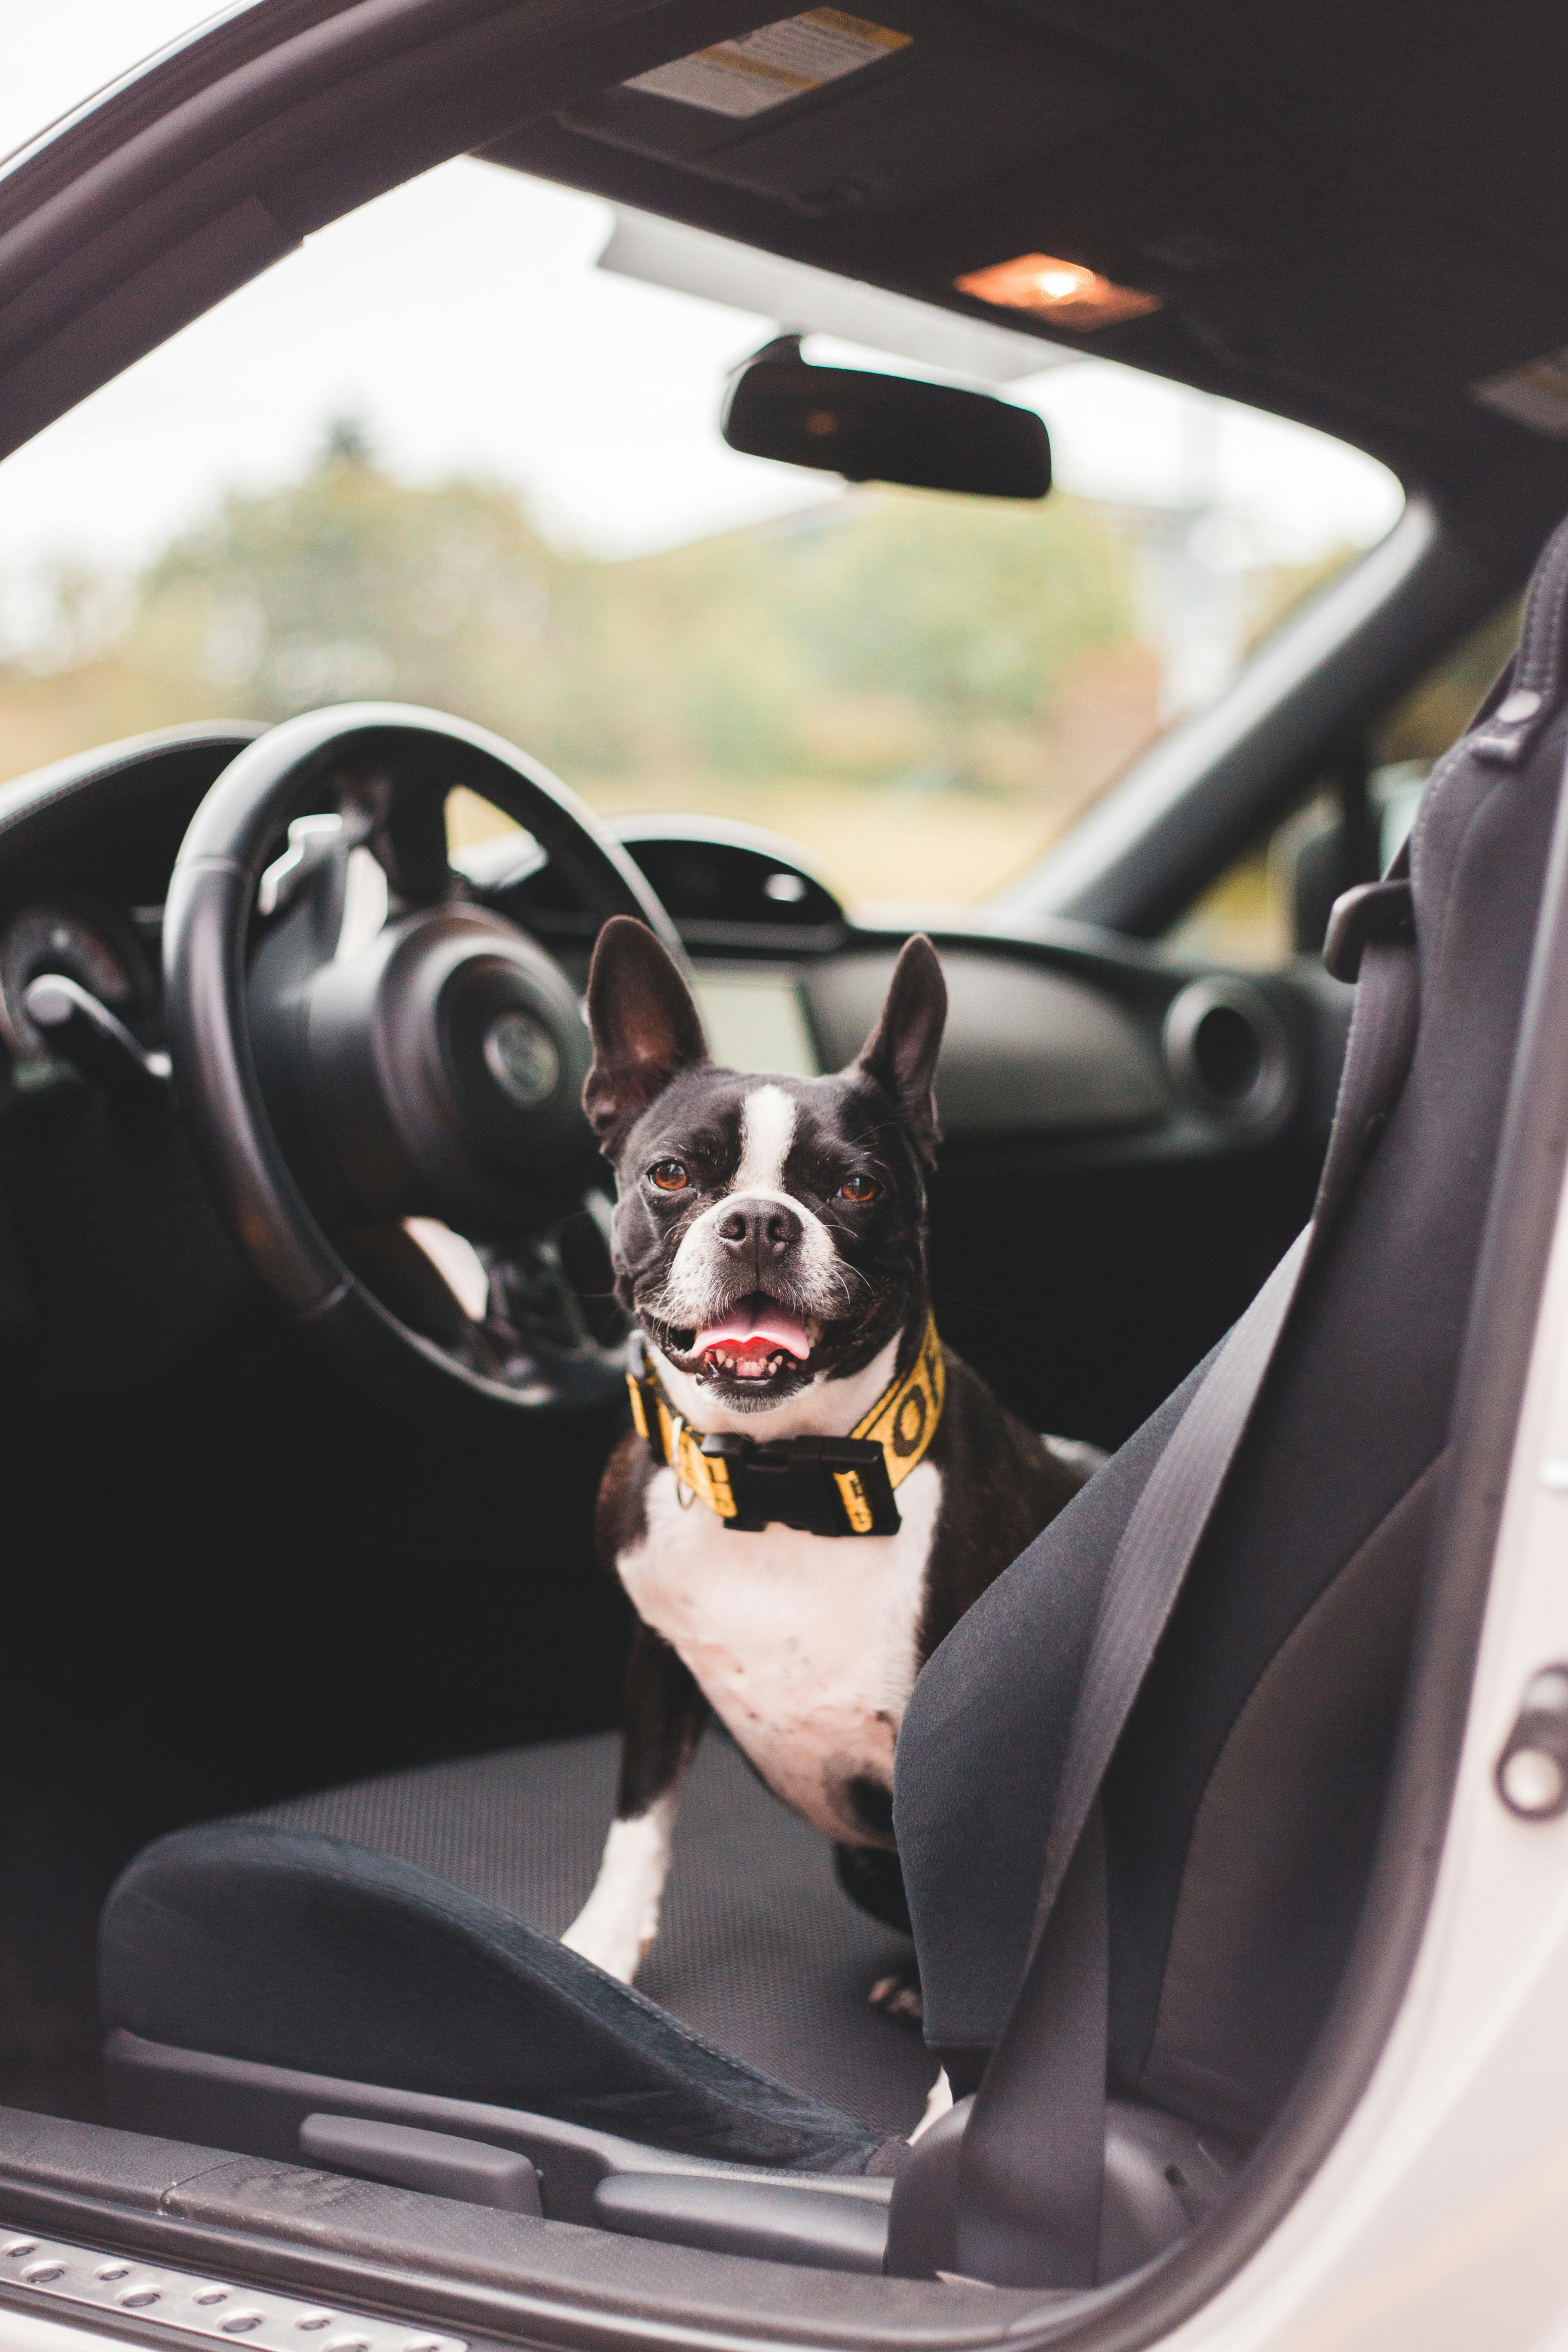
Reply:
x=759, y=1950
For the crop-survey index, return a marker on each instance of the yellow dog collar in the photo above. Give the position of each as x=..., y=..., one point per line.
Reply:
x=825, y=1486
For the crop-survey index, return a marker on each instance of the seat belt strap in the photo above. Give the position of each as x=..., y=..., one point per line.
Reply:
x=1031, y=2166
x=1039, y=2114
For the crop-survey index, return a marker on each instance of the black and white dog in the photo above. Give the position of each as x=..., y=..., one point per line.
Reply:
x=770, y=1241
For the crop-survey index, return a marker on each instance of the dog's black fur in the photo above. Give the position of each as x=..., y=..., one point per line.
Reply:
x=657, y=1103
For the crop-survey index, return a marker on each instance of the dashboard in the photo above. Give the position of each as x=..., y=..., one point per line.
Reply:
x=91, y=943
x=1076, y=1062
x=1067, y=1038
x=1064, y=1038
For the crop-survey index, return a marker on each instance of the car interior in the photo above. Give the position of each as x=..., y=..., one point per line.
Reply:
x=316, y=1678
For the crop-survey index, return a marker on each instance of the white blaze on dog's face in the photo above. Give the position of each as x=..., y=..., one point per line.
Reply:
x=770, y=1231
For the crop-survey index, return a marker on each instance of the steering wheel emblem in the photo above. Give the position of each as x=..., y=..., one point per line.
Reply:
x=521, y=1057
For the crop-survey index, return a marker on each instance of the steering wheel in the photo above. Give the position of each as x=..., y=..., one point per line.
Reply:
x=380, y=1075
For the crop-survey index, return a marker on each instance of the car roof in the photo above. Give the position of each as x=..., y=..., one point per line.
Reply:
x=1351, y=216
x=1354, y=216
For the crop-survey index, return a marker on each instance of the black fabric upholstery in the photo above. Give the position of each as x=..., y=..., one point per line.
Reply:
x=281, y=1947
x=1355, y=1409
x=760, y=1954
x=1001, y=1687
x=1259, y=1927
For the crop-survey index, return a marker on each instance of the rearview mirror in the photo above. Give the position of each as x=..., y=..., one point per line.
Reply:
x=883, y=428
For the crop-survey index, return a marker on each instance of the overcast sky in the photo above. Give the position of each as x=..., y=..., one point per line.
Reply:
x=463, y=318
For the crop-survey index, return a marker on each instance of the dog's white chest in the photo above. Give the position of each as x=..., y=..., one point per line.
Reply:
x=804, y=1645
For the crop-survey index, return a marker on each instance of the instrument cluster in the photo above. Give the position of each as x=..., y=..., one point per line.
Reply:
x=83, y=941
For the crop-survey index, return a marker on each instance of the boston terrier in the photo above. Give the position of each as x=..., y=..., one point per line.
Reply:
x=816, y=1488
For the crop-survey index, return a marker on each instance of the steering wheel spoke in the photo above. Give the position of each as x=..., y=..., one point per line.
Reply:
x=368, y=1060
x=512, y=1314
x=402, y=822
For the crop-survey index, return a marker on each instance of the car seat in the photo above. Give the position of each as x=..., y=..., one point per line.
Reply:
x=360, y=1973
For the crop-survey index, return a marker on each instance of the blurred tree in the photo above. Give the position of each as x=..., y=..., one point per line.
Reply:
x=863, y=640
x=969, y=612
x=804, y=671
x=347, y=583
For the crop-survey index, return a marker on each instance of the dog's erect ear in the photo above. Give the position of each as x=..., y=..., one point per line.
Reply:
x=900, y=1053
x=644, y=1025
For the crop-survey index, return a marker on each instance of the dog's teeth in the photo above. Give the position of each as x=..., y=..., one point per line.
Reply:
x=723, y=1362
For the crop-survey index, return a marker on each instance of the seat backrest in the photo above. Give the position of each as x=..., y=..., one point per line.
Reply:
x=1243, y=1803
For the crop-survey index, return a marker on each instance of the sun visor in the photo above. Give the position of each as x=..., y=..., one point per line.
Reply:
x=834, y=113
x=695, y=261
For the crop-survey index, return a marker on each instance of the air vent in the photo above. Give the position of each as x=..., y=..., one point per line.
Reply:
x=1226, y=1049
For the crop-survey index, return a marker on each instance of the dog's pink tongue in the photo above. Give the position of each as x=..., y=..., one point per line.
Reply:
x=755, y=1323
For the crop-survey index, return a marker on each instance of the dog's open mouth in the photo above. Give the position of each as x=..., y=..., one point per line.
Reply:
x=753, y=1341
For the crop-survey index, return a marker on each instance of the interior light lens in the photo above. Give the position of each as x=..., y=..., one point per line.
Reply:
x=1056, y=289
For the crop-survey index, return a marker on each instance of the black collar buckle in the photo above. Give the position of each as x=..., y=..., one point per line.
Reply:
x=823, y=1486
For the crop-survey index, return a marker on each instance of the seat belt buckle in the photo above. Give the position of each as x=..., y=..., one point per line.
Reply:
x=1373, y=912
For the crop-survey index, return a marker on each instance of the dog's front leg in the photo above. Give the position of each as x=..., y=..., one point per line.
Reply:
x=664, y=1715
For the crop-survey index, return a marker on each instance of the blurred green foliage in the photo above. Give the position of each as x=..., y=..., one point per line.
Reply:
x=823, y=671
x=861, y=639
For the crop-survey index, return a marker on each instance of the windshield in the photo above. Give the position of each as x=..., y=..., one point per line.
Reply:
x=460, y=451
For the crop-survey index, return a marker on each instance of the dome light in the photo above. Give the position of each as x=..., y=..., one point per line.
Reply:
x=1078, y=297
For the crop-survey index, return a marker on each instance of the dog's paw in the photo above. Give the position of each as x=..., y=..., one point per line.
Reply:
x=898, y=1995
x=939, y=2102
x=617, y=1926
x=611, y=1944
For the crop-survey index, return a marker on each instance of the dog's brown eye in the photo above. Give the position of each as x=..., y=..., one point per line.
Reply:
x=669, y=1175
x=858, y=1187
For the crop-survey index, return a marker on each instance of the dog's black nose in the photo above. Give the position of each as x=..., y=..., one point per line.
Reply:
x=767, y=1230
